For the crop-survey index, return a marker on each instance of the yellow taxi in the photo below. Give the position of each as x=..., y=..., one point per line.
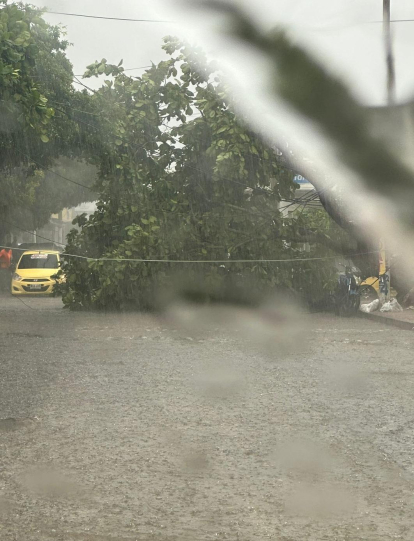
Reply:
x=34, y=273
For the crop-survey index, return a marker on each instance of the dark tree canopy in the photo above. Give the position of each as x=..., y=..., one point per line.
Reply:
x=183, y=178
x=42, y=118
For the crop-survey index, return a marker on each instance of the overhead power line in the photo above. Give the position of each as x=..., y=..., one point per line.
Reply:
x=143, y=147
x=221, y=261
x=83, y=84
x=202, y=261
x=108, y=18
x=346, y=26
x=139, y=68
x=59, y=175
x=128, y=19
x=397, y=21
x=167, y=21
x=31, y=233
x=125, y=69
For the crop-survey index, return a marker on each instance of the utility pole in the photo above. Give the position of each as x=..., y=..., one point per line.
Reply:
x=389, y=57
x=384, y=271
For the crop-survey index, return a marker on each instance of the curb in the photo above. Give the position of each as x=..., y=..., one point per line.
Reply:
x=406, y=325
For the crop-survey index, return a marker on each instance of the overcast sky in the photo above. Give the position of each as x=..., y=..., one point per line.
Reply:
x=336, y=30
x=93, y=39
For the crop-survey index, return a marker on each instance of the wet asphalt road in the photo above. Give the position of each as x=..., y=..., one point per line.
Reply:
x=120, y=427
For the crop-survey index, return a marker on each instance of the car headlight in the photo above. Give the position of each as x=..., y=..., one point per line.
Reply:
x=17, y=277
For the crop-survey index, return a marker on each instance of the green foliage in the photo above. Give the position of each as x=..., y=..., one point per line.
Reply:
x=28, y=48
x=316, y=280
x=33, y=199
x=323, y=99
x=42, y=117
x=181, y=178
x=22, y=103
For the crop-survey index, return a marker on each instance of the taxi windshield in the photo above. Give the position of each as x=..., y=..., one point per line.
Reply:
x=38, y=261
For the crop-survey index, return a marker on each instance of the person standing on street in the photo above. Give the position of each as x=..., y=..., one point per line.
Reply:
x=5, y=258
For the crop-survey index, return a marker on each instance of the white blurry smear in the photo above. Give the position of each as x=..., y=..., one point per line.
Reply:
x=309, y=149
x=189, y=457
x=304, y=457
x=320, y=501
x=345, y=35
x=218, y=380
x=6, y=505
x=275, y=328
x=48, y=482
x=348, y=379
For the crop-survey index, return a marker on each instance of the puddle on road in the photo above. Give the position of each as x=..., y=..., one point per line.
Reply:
x=10, y=423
